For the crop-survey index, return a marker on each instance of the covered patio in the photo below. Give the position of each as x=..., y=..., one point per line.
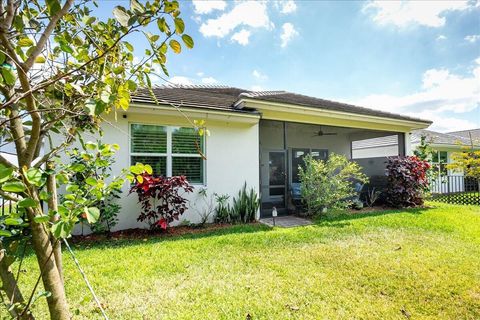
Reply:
x=284, y=144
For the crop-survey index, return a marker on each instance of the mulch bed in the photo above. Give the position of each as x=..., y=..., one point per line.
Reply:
x=144, y=234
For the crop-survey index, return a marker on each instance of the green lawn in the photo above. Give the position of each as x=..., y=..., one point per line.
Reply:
x=418, y=264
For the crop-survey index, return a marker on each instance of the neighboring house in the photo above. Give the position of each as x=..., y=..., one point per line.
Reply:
x=444, y=145
x=256, y=137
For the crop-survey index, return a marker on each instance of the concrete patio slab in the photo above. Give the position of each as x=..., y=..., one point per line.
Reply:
x=286, y=221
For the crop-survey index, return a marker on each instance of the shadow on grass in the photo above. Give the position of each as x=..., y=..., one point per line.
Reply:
x=342, y=219
x=150, y=238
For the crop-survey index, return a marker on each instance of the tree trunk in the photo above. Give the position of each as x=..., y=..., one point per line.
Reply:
x=53, y=206
x=10, y=286
x=52, y=281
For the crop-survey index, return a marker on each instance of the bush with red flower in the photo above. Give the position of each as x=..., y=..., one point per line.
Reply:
x=161, y=198
x=407, y=181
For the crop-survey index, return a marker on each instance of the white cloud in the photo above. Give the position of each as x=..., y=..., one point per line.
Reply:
x=207, y=6
x=250, y=13
x=442, y=123
x=260, y=76
x=442, y=93
x=441, y=37
x=200, y=74
x=241, y=37
x=405, y=13
x=473, y=38
x=209, y=80
x=257, y=88
x=287, y=6
x=288, y=33
x=181, y=80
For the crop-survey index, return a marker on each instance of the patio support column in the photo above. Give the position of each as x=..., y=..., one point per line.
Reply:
x=404, y=144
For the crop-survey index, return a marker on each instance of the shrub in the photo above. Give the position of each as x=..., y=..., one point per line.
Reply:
x=371, y=197
x=407, y=181
x=161, y=198
x=95, y=161
x=330, y=183
x=223, y=211
x=245, y=205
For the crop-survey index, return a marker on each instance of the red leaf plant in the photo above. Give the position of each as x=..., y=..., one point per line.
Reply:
x=407, y=181
x=162, y=199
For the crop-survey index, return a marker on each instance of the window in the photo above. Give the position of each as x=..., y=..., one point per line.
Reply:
x=297, y=159
x=439, y=162
x=171, y=151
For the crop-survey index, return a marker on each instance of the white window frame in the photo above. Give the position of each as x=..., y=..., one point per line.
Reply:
x=439, y=163
x=169, y=155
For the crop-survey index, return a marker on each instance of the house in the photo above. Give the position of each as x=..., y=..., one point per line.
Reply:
x=444, y=145
x=256, y=137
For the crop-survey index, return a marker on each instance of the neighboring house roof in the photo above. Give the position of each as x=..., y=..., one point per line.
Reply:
x=438, y=138
x=229, y=98
x=474, y=133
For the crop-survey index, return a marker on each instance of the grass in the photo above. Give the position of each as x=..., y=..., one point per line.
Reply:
x=419, y=264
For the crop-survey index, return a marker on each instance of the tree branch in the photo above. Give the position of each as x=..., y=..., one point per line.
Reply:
x=46, y=35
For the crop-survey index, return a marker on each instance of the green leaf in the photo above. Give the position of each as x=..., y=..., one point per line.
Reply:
x=13, y=186
x=25, y=42
x=148, y=169
x=9, y=75
x=13, y=221
x=5, y=233
x=175, y=45
x=66, y=48
x=188, y=41
x=92, y=214
x=5, y=173
x=128, y=46
x=62, y=229
x=179, y=25
x=40, y=59
x=27, y=203
x=136, y=6
x=41, y=219
x=91, y=181
x=77, y=167
x=136, y=169
x=53, y=6
x=121, y=15
x=34, y=176
x=44, y=195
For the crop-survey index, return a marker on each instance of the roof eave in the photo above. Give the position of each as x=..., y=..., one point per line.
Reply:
x=258, y=104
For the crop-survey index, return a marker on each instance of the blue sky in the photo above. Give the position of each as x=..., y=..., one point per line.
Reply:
x=415, y=58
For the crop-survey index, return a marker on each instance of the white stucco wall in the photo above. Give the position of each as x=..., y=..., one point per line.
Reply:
x=231, y=150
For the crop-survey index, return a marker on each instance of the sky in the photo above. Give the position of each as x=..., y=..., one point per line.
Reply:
x=415, y=58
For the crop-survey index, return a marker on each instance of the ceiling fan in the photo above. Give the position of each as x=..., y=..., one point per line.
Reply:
x=320, y=133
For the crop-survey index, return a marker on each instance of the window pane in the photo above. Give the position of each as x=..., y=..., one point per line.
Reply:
x=297, y=160
x=159, y=164
x=435, y=157
x=443, y=157
x=191, y=167
x=320, y=154
x=184, y=141
x=148, y=139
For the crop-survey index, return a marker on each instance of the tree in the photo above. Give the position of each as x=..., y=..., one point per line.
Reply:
x=61, y=70
x=468, y=161
x=423, y=151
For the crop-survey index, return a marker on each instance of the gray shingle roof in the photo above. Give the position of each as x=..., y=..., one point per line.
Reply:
x=434, y=137
x=474, y=133
x=225, y=98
